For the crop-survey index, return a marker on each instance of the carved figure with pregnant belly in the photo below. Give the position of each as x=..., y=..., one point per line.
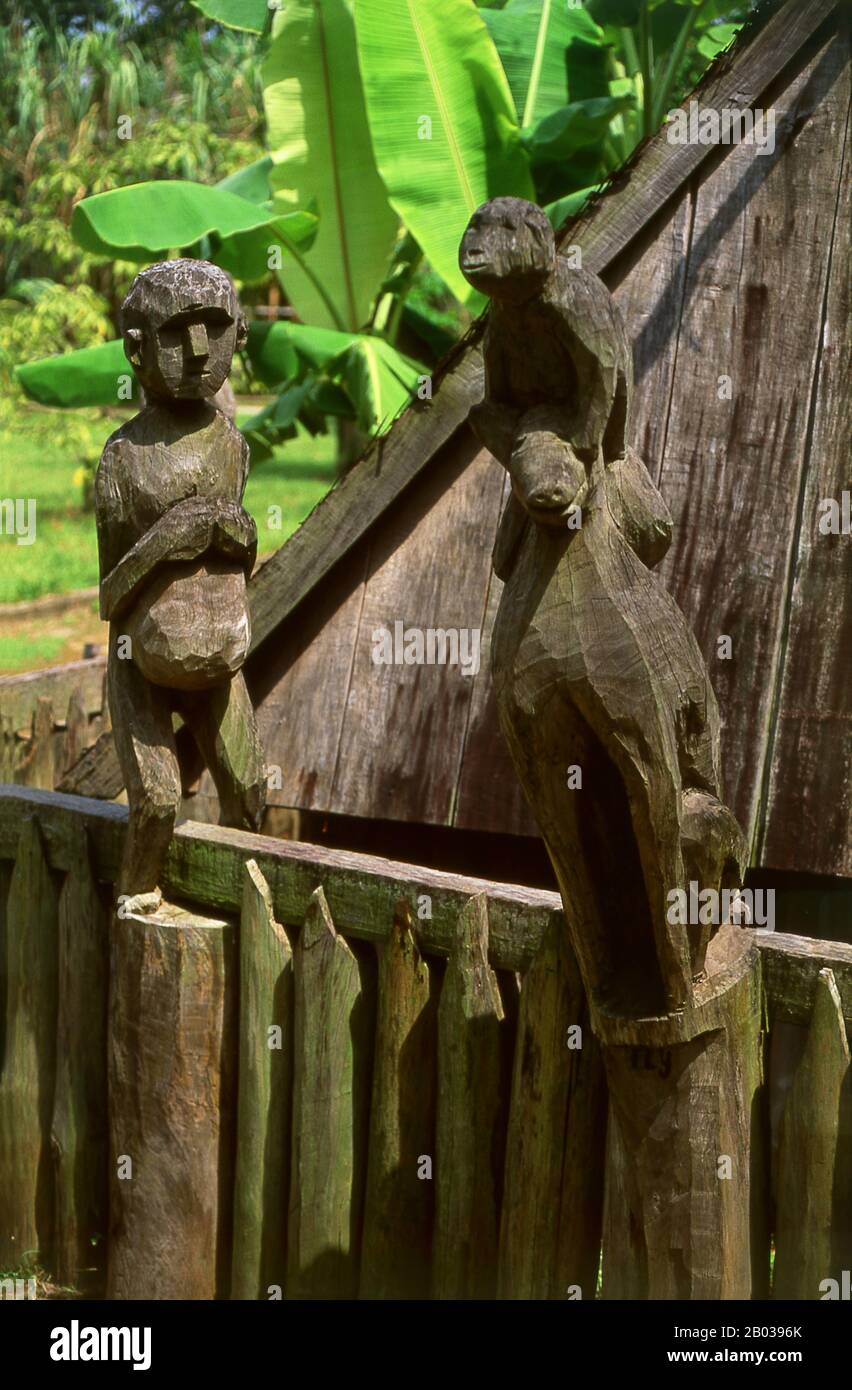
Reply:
x=176, y=547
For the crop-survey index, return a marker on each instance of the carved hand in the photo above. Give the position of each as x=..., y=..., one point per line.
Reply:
x=235, y=533
x=184, y=532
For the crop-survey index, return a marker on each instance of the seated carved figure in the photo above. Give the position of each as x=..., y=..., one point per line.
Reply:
x=595, y=667
x=176, y=547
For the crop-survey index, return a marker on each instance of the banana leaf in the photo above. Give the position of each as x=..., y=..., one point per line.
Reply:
x=380, y=380
x=543, y=46
x=145, y=220
x=444, y=126
x=236, y=14
x=90, y=376
x=320, y=144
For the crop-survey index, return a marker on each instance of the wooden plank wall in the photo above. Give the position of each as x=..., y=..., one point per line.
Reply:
x=743, y=278
x=48, y=718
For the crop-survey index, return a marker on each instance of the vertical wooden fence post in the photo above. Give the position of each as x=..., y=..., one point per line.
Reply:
x=171, y=1049
x=399, y=1204
x=685, y=1089
x=80, y=1126
x=265, y=1095
x=29, y=1065
x=472, y=1103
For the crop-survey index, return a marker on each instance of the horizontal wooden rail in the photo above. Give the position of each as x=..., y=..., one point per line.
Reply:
x=206, y=868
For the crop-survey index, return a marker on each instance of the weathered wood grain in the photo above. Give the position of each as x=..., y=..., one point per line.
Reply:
x=686, y=1116
x=428, y=569
x=624, y=1258
x=814, y=1206
x=351, y=508
x=6, y=869
x=36, y=767
x=791, y=968
x=660, y=169
x=96, y=772
x=732, y=468
x=332, y=1042
x=18, y=694
x=551, y=1212
x=649, y=293
x=305, y=679
x=488, y=795
x=264, y=1096
x=172, y=1041
x=471, y=1121
x=399, y=1206
x=811, y=729
x=80, y=1125
x=29, y=1067
x=207, y=868
x=583, y=1171
x=76, y=730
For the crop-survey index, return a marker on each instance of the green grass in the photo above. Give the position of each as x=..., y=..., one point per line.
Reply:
x=40, y=452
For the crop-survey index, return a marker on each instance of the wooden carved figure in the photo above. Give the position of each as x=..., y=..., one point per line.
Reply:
x=176, y=547
x=606, y=704
x=602, y=692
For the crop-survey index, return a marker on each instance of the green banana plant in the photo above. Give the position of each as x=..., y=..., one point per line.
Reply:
x=389, y=122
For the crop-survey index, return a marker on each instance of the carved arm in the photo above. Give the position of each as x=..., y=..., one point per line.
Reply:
x=184, y=532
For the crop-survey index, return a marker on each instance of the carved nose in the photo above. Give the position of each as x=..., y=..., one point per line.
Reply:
x=197, y=340
x=545, y=499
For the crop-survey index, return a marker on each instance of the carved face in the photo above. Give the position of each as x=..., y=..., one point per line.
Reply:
x=508, y=250
x=189, y=356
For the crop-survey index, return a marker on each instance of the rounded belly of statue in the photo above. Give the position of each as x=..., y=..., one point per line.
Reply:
x=190, y=628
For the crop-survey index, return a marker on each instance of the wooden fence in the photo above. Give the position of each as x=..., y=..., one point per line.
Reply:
x=334, y=1076
x=48, y=719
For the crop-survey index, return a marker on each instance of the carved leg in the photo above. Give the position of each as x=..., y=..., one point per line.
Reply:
x=224, y=725
x=144, y=742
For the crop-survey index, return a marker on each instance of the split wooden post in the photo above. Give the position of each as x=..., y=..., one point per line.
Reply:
x=265, y=1096
x=332, y=1046
x=471, y=1129
x=80, y=1123
x=814, y=1201
x=395, y=1260
x=685, y=1090
x=171, y=1041
x=29, y=1063
x=550, y=1230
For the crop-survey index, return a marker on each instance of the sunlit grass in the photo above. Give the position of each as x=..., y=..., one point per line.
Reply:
x=42, y=451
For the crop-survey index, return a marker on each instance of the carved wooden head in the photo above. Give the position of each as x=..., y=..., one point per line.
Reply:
x=508, y=250
x=182, y=324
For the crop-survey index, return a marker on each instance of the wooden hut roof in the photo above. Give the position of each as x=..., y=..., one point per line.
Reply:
x=726, y=263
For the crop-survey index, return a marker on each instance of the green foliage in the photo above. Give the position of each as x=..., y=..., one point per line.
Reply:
x=144, y=220
x=442, y=120
x=379, y=112
x=236, y=14
x=56, y=318
x=544, y=46
x=323, y=157
x=41, y=455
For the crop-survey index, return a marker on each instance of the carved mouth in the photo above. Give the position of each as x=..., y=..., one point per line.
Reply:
x=474, y=260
